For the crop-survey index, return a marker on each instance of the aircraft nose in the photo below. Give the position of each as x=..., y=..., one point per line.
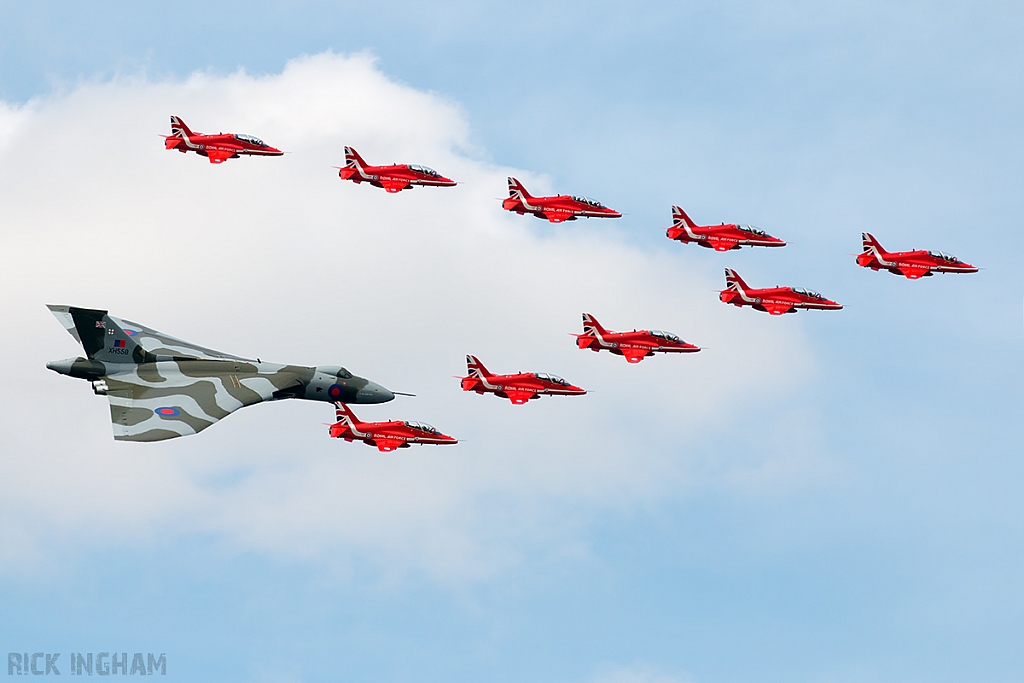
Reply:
x=373, y=393
x=61, y=366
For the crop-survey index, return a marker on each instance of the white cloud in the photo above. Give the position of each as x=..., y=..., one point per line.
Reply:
x=278, y=258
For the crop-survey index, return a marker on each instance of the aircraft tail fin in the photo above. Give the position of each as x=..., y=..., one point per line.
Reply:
x=517, y=190
x=871, y=245
x=344, y=414
x=679, y=217
x=179, y=129
x=476, y=368
x=591, y=326
x=352, y=158
x=101, y=337
x=734, y=281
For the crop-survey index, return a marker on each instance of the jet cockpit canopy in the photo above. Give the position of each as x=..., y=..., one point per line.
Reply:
x=944, y=256
x=751, y=229
x=423, y=169
x=665, y=335
x=422, y=426
x=251, y=139
x=549, y=378
x=588, y=200
x=808, y=292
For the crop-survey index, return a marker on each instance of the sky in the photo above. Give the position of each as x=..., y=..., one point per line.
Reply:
x=819, y=497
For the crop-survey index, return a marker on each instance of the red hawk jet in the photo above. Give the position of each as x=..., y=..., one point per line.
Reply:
x=718, y=237
x=518, y=388
x=555, y=209
x=911, y=264
x=217, y=148
x=775, y=300
x=394, y=178
x=633, y=346
x=386, y=436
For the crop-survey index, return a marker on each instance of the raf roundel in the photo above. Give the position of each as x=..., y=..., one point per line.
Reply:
x=167, y=412
x=130, y=333
x=334, y=391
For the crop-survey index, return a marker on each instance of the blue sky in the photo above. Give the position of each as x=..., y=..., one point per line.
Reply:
x=851, y=515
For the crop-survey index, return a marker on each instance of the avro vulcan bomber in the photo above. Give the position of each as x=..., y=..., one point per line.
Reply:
x=160, y=387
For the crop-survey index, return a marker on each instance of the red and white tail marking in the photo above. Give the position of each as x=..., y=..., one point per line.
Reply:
x=871, y=245
x=476, y=368
x=517, y=190
x=352, y=158
x=734, y=281
x=679, y=218
x=591, y=326
x=179, y=129
x=344, y=414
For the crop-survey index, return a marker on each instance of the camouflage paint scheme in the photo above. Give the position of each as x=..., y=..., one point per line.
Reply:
x=160, y=387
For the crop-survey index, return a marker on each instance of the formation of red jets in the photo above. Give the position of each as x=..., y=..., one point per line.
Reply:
x=634, y=346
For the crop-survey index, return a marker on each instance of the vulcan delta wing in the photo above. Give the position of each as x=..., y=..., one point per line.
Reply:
x=161, y=387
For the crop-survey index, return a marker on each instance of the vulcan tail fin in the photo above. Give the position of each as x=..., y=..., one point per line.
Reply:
x=516, y=189
x=344, y=414
x=591, y=326
x=101, y=336
x=734, y=281
x=871, y=245
x=679, y=217
x=179, y=129
x=476, y=368
x=352, y=158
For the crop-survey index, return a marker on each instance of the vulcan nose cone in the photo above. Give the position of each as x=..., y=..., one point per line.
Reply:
x=373, y=393
x=61, y=366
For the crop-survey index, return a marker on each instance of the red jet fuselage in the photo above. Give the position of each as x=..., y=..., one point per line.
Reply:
x=386, y=436
x=217, y=148
x=718, y=237
x=774, y=300
x=518, y=388
x=394, y=178
x=633, y=346
x=911, y=264
x=555, y=209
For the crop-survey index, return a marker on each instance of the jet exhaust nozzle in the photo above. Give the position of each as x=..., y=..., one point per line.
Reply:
x=82, y=368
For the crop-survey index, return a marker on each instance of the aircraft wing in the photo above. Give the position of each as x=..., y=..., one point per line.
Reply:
x=635, y=355
x=218, y=156
x=519, y=396
x=162, y=402
x=162, y=344
x=388, y=445
x=394, y=185
x=556, y=216
x=914, y=272
x=778, y=309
